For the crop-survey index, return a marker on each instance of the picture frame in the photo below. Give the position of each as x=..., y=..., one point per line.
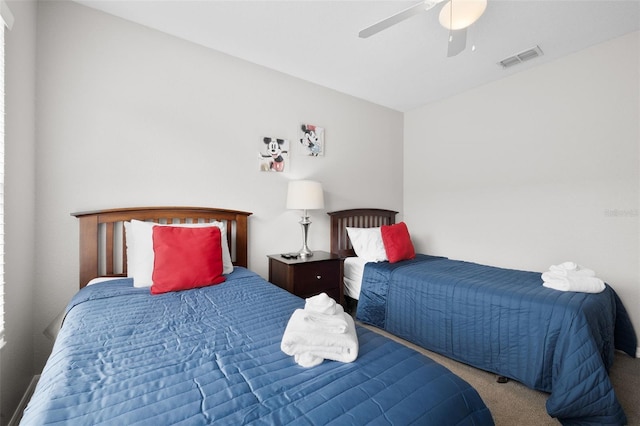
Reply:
x=273, y=155
x=311, y=139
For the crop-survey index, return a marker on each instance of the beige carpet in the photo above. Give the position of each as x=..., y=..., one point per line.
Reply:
x=512, y=403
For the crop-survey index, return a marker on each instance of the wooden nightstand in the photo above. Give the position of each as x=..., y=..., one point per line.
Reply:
x=307, y=277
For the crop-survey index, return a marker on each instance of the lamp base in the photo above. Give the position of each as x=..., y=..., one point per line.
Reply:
x=305, y=251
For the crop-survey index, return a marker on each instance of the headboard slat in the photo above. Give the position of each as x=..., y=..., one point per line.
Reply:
x=98, y=253
x=109, y=249
x=355, y=218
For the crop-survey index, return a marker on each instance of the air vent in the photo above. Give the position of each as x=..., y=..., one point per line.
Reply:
x=526, y=55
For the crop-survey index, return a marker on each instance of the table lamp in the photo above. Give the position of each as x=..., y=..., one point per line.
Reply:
x=305, y=195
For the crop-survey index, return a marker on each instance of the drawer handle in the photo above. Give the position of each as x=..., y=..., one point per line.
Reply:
x=318, y=277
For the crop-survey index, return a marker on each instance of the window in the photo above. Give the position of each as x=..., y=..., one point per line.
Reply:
x=7, y=20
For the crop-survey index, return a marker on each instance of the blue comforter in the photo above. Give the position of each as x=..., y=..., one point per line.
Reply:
x=212, y=355
x=506, y=322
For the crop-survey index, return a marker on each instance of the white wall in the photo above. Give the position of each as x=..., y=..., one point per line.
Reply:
x=128, y=116
x=538, y=168
x=17, y=356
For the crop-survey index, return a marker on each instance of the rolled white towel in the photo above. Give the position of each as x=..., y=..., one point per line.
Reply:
x=321, y=304
x=310, y=347
x=326, y=323
x=583, y=284
x=307, y=360
x=571, y=268
x=565, y=266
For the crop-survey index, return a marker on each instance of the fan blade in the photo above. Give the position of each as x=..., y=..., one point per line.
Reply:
x=457, y=42
x=398, y=17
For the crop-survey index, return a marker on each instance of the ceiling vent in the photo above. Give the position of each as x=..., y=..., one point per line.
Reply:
x=526, y=55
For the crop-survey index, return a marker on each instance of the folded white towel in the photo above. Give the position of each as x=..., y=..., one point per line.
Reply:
x=311, y=347
x=326, y=323
x=584, y=284
x=321, y=304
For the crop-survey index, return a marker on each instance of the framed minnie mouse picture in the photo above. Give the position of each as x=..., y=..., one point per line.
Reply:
x=274, y=155
x=311, y=140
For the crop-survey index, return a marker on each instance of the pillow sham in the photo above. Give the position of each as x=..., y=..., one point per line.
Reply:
x=186, y=258
x=367, y=243
x=140, y=256
x=397, y=242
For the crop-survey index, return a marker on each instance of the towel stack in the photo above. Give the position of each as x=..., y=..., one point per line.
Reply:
x=322, y=330
x=569, y=276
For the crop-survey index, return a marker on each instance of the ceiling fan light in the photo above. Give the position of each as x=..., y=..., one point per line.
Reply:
x=465, y=13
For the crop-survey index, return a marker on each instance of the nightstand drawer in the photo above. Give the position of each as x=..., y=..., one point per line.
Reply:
x=306, y=277
x=314, y=278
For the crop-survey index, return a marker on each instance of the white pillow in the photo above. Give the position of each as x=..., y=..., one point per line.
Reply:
x=367, y=243
x=140, y=256
x=102, y=280
x=131, y=253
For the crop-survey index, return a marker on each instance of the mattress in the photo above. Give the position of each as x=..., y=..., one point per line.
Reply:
x=352, y=276
x=212, y=355
x=506, y=322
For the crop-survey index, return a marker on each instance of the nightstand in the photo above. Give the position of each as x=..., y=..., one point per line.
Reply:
x=306, y=277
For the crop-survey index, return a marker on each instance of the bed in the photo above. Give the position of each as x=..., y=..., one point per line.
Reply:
x=499, y=320
x=211, y=354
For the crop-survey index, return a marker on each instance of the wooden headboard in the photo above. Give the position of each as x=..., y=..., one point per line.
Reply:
x=103, y=240
x=355, y=218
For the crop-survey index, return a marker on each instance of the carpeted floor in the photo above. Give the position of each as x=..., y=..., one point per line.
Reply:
x=512, y=403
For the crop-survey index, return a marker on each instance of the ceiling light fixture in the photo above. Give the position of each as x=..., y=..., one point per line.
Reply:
x=464, y=13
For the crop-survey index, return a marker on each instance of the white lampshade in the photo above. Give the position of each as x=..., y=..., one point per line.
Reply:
x=465, y=13
x=305, y=195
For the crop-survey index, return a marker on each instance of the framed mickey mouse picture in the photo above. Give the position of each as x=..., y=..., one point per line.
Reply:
x=274, y=155
x=311, y=140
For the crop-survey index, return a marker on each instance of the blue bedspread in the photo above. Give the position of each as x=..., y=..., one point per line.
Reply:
x=506, y=322
x=212, y=355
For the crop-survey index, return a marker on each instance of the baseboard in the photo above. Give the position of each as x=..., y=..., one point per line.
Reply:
x=17, y=415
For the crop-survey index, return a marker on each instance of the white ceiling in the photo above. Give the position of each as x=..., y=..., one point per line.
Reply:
x=402, y=67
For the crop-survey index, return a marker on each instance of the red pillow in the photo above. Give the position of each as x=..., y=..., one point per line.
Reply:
x=397, y=242
x=186, y=258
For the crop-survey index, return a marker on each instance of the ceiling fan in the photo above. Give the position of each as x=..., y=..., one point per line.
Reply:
x=455, y=15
